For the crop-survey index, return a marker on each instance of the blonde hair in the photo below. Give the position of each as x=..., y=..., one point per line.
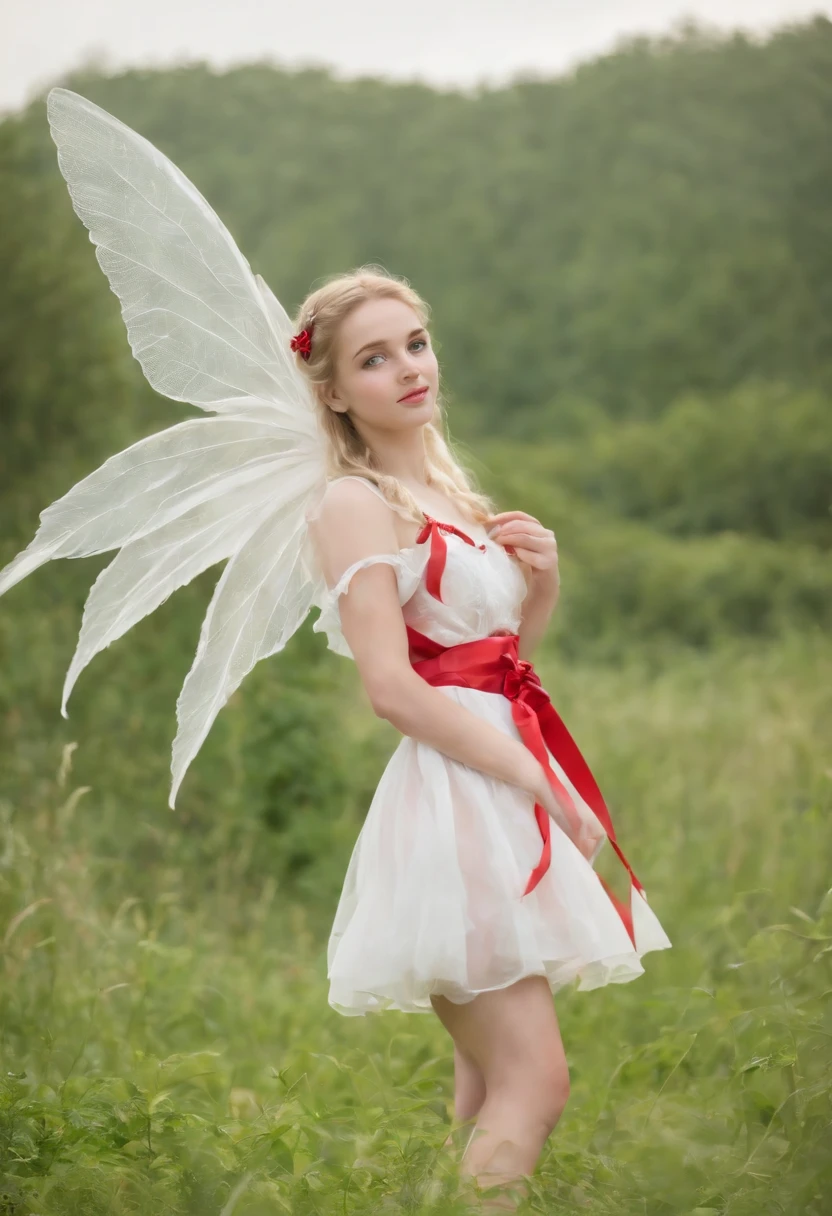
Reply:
x=326, y=308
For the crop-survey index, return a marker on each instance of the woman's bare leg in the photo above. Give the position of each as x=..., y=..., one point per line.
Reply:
x=513, y=1038
x=469, y=1089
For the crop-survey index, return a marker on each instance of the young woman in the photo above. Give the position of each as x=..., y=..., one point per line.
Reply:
x=321, y=475
x=419, y=569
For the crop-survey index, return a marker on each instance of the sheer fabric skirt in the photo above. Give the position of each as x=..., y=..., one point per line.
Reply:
x=432, y=901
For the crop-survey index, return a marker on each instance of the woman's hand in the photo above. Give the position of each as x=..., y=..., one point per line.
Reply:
x=533, y=544
x=585, y=835
x=563, y=815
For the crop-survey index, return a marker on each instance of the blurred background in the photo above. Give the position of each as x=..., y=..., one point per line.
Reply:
x=622, y=224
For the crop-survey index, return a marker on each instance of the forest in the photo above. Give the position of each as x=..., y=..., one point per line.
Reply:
x=629, y=269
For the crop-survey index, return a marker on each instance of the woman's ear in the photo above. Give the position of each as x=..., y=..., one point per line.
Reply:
x=330, y=396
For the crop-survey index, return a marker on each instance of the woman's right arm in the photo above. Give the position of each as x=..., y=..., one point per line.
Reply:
x=354, y=522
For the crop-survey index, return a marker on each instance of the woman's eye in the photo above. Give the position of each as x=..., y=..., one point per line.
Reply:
x=415, y=342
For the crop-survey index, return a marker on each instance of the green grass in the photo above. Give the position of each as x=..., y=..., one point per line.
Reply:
x=167, y=1046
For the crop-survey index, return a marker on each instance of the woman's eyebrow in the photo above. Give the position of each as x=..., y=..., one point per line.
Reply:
x=383, y=341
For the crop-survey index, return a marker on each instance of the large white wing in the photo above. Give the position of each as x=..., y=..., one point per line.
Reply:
x=196, y=319
x=234, y=485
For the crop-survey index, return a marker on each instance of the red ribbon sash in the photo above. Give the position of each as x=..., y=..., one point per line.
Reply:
x=491, y=664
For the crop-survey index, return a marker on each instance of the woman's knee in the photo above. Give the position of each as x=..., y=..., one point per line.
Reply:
x=541, y=1090
x=513, y=1038
x=551, y=1092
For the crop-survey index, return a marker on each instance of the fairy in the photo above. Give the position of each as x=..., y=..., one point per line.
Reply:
x=322, y=474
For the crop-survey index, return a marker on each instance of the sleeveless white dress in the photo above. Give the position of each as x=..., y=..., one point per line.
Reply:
x=432, y=901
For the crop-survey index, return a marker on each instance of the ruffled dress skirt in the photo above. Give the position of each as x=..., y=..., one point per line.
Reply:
x=432, y=901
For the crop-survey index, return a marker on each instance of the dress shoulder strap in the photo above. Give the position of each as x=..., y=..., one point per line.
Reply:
x=355, y=477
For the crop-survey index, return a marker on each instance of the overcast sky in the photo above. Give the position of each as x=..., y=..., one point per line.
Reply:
x=442, y=41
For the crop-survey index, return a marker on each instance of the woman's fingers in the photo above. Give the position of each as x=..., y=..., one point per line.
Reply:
x=503, y=517
x=532, y=540
x=525, y=537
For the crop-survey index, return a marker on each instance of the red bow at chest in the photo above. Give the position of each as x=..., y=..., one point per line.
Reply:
x=492, y=664
x=438, y=551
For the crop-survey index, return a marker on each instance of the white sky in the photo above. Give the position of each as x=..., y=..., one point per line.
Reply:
x=453, y=42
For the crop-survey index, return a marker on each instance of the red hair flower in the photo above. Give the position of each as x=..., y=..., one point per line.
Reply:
x=302, y=342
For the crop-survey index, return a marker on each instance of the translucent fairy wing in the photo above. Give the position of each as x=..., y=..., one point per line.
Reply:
x=150, y=483
x=281, y=322
x=232, y=486
x=149, y=568
x=175, y=503
x=199, y=324
x=261, y=599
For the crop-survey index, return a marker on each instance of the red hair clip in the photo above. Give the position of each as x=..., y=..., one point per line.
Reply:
x=302, y=342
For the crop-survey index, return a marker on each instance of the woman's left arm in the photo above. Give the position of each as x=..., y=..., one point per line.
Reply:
x=537, y=548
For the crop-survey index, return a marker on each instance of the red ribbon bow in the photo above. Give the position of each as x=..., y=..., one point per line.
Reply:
x=529, y=703
x=520, y=678
x=438, y=551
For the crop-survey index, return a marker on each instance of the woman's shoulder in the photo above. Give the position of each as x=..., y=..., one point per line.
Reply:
x=351, y=488
x=347, y=497
x=350, y=492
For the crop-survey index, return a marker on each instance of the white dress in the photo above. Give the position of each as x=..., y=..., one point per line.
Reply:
x=432, y=900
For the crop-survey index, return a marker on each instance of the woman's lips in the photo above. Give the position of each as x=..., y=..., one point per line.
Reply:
x=416, y=395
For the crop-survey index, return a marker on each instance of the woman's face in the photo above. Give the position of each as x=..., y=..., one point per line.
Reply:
x=383, y=353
